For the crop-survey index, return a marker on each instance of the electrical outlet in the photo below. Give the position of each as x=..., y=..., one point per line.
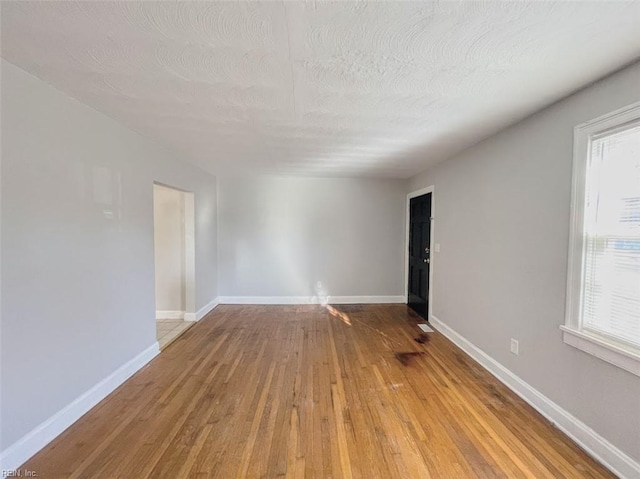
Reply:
x=437, y=247
x=514, y=346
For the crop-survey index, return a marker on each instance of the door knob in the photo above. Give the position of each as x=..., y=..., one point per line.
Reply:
x=426, y=260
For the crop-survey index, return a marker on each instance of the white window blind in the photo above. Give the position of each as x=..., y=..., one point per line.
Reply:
x=611, y=281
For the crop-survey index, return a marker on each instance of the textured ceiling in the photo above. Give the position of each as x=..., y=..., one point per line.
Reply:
x=371, y=89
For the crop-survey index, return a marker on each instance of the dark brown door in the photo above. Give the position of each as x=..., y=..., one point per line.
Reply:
x=419, y=253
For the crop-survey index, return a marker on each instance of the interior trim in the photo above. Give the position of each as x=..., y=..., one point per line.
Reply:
x=24, y=448
x=594, y=444
x=311, y=299
x=609, y=351
x=202, y=312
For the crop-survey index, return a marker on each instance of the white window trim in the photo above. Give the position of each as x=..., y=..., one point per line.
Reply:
x=620, y=354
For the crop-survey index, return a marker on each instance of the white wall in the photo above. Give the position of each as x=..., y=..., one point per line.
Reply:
x=280, y=236
x=502, y=220
x=78, y=264
x=168, y=226
x=77, y=247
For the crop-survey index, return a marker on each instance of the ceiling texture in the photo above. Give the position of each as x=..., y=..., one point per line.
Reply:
x=371, y=89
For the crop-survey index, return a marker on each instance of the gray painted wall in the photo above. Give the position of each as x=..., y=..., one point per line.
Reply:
x=77, y=247
x=502, y=221
x=279, y=236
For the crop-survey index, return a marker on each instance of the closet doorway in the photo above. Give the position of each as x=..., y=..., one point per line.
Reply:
x=174, y=252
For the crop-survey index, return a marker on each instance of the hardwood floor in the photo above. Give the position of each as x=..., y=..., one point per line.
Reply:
x=309, y=391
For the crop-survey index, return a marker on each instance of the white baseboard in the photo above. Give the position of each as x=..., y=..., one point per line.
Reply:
x=170, y=315
x=310, y=299
x=202, y=312
x=597, y=446
x=24, y=448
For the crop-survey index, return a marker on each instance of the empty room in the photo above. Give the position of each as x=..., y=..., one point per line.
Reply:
x=320, y=239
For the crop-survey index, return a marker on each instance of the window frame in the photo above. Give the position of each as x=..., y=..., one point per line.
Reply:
x=621, y=354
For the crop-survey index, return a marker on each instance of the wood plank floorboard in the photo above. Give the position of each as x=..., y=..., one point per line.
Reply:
x=312, y=392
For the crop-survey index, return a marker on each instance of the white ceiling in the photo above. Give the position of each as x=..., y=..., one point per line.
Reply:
x=332, y=89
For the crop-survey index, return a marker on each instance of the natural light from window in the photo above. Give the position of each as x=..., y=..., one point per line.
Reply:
x=611, y=294
x=603, y=274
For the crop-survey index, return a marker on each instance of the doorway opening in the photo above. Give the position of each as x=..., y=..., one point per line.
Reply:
x=419, y=264
x=174, y=253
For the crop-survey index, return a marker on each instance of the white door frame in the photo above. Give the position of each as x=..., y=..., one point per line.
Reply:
x=423, y=191
x=189, y=256
x=189, y=250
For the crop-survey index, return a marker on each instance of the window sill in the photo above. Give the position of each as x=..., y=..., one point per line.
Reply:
x=622, y=356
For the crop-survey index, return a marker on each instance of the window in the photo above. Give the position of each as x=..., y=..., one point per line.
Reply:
x=603, y=291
